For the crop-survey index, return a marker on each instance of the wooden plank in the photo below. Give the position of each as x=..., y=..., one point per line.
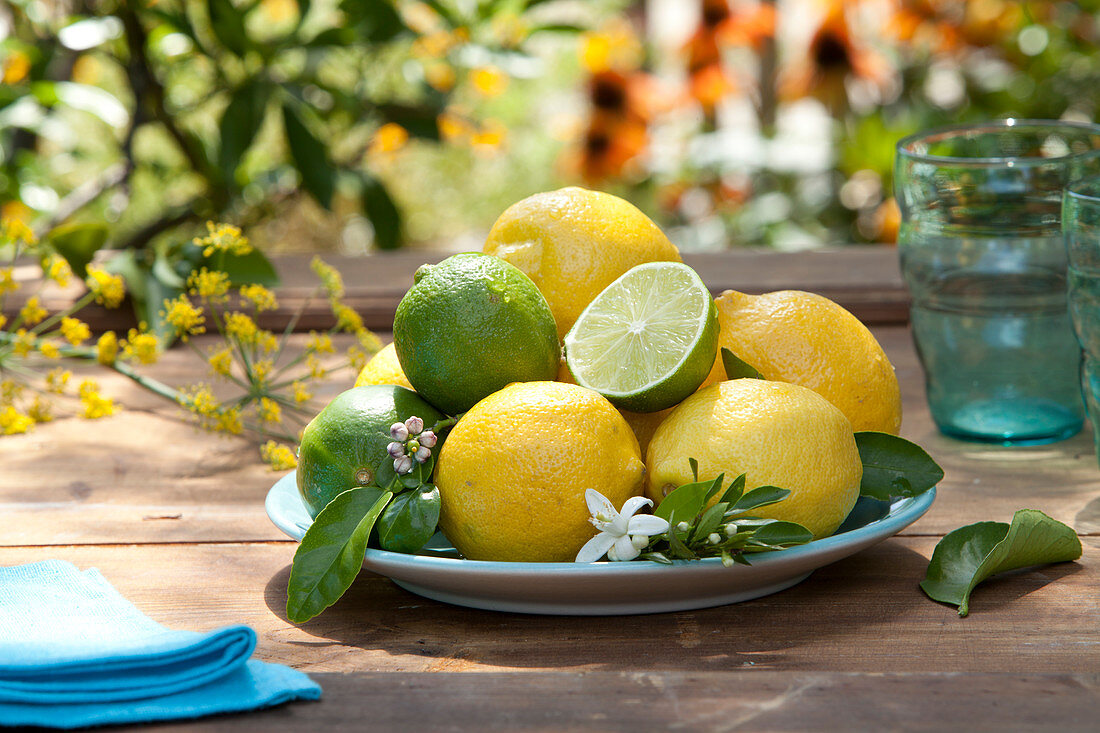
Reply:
x=706, y=701
x=866, y=280
x=145, y=476
x=862, y=614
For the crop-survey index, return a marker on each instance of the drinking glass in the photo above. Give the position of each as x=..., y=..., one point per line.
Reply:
x=985, y=263
x=1081, y=226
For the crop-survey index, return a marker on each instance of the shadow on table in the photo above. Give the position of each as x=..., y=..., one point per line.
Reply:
x=841, y=609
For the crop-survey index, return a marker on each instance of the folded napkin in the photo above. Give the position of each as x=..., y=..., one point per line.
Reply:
x=73, y=652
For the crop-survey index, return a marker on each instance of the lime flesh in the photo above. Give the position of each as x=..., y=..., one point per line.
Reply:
x=648, y=340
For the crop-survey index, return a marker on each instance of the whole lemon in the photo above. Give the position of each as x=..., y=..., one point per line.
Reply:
x=343, y=446
x=803, y=338
x=470, y=325
x=383, y=368
x=514, y=470
x=777, y=434
x=573, y=243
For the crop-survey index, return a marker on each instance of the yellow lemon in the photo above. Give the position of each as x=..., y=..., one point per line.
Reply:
x=777, y=434
x=513, y=472
x=574, y=243
x=803, y=338
x=383, y=368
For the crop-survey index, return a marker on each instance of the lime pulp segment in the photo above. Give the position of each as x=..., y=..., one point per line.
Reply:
x=640, y=330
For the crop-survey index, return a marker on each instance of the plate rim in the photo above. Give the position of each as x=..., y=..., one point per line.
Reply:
x=903, y=512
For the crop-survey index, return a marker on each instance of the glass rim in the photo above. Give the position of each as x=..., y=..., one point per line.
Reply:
x=1075, y=189
x=993, y=126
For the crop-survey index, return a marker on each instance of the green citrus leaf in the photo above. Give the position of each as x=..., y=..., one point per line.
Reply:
x=239, y=124
x=410, y=520
x=894, y=466
x=970, y=554
x=684, y=503
x=78, y=243
x=331, y=552
x=736, y=368
x=228, y=25
x=310, y=157
x=758, y=497
x=777, y=535
x=735, y=491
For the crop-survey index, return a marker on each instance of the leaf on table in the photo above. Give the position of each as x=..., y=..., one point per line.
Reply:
x=894, y=467
x=737, y=368
x=331, y=552
x=970, y=554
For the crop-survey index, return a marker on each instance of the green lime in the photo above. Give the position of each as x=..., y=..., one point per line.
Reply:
x=471, y=325
x=648, y=340
x=345, y=444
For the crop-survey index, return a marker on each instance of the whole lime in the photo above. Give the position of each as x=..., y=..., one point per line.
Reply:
x=343, y=446
x=470, y=326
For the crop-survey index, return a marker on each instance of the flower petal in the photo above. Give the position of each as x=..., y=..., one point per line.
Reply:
x=647, y=524
x=623, y=550
x=599, y=506
x=633, y=504
x=596, y=548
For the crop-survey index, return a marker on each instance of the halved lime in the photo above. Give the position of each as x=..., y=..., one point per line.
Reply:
x=648, y=340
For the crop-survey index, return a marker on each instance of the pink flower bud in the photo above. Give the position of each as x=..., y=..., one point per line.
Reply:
x=399, y=432
x=414, y=425
x=395, y=449
x=422, y=454
x=427, y=438
x=403, y=465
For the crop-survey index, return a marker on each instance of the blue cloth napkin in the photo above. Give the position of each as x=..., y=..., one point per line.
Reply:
x=73, y=652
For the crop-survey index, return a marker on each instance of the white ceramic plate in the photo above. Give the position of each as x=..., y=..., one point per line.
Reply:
x=607, y=588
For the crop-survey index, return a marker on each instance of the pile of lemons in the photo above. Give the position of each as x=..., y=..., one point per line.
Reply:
x=481, y=336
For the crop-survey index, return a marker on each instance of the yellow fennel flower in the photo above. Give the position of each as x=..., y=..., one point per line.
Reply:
x=40, y=410
x=32, y=311
x=320, y=343
x=279, y=457
x=75, y=330
x=300, y=391
x=95, y=405
x=241, y=327
x=211, y=285
x=54, y=267
x=140, y=346
x=49, y=349
x=10, y=391
x=106, y=348
x=330, y=278
x=316, y=368
x=57, y=378
x=108, y=289
x=200, y=400
x=223, y=238
x=7, y=280
x=261, y=370
x=269, y=411
x=221, y=362
x=262, y=298
x=346, y=318
x=229, y=421
x=16, y=230
x=12, y=421
x=184, y=317
x=3, y=321
x=23, y=343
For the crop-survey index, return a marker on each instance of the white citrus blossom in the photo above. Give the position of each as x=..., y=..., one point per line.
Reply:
x=622, y=535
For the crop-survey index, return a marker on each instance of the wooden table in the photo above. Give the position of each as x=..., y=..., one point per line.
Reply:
x=174, y=519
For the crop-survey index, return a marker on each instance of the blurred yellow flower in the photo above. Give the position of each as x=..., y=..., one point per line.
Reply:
x=330, y=278
x=320, y=343
x=16, y=230
x=615, y=47
x=10, y=391
x=223, y=238
x=440, y=76
x=229, y=421
x=140, y=346
x=279, y=457
x=49, y=349
x=346, y=318
x=40, y=410
x=241, y=327
x=212, y=285
x=32, y=311
x=184, y=317
x=12, y=421
x=200, y=400
x=57, y=378
x=489, y=81
x=261, y=298
x=75, y=330
x=454, y=126
x=23, y=343
x=54, y=267
x=106, y=348
x=269, y=411
x=221, y=362
x=108, y=289
x=261, y=370
x=7, y=281
x=3, y=321
x=301, y=391
x=16, y=67
x=316, y=368
x=389, y=138
x=490, y=137
x=95, y=405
